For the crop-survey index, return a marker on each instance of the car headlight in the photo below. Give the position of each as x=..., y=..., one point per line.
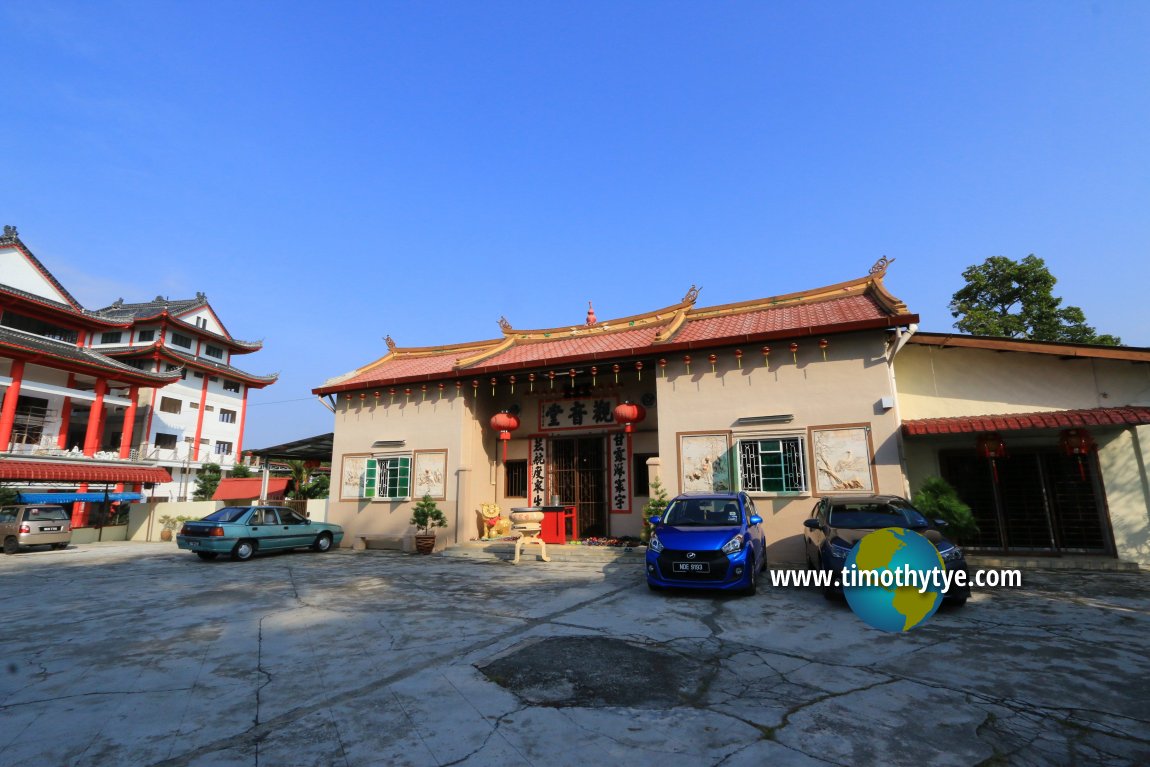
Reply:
x=838, y=551
x=655, y=544
x=734, y=545
x=952, y=554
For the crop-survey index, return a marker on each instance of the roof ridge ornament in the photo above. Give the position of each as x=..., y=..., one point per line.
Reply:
x=504, y=325
x=591, y=319
x=390, y=343
x=879, y=268
x=692, y=294
x=10, y=232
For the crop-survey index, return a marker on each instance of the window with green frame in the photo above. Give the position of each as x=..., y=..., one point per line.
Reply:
x=387, y=478
x=776, y=465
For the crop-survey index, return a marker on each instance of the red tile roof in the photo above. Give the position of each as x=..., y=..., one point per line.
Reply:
x=849, y=306
x=243, y=488
x=1054, y=419
x=79, y=471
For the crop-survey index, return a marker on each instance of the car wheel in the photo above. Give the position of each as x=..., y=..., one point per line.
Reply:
x=207, y=556
x=322, y=543
x=243, y=551
x=11, y=545
x=956, y=602
x=752, y=577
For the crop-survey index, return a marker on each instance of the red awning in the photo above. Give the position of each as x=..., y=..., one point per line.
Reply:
x=1054, y=419
x=78, y=471
x=244, y=488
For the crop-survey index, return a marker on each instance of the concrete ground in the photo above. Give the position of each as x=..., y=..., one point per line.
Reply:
x=138, y=654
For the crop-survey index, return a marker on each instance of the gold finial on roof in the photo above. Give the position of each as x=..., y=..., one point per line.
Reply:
x=692, y=294
x=591, y=315
x=504, y=324
x=879, y=268
x=390, y=343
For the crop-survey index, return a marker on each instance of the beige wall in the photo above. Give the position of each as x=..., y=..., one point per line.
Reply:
x=938, y=383
x=846, y=388
x=430, y=424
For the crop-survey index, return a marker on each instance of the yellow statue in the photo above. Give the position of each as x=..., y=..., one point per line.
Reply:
x=495, y=525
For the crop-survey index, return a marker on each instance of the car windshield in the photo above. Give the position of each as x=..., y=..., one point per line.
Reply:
x=227, y=514
x=702, y=512
x=48, y=512
x=866, y=516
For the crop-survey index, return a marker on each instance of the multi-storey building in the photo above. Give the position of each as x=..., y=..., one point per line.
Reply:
x=149, y=384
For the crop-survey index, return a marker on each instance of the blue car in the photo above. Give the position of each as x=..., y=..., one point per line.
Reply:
x=707, y=541
x=242, y=531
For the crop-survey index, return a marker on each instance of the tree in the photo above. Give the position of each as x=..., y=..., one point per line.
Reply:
x=937, y=499
x=1015, y=299
x=207, y=480
x=240, y=471
x=307, y=486
x=655, y=507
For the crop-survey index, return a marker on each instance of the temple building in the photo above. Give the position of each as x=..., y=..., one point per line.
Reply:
x=789, y=398
x=127, y=395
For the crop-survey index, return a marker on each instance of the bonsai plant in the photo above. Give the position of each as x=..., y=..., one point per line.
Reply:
x=168, y=524
x=936, y=499
x=426, y=516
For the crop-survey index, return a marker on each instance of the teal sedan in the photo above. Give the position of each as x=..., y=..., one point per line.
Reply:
x=241, y=531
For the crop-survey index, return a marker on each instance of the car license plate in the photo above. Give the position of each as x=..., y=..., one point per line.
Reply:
x=193, y=544
x=690, y=567
x=50, y=529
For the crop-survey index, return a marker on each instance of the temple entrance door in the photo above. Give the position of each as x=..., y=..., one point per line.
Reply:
x=579, y=477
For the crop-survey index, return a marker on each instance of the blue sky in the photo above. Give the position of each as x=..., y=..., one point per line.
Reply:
x=330, y=173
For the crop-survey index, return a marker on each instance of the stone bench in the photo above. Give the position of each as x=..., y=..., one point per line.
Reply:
x=387, y=542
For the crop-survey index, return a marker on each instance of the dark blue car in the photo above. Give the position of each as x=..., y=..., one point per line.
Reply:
x=837, y=524
x=707, y=541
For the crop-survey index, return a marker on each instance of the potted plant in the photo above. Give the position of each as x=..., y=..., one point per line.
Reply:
x=426, y=516
x=168, y=525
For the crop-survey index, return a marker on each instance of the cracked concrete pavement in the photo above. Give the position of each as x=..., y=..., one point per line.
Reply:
x=139, y=654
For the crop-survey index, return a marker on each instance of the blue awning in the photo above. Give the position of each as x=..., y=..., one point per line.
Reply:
x=72, y=497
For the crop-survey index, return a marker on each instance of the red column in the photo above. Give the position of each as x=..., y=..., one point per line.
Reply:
x=95, y=417
x=65, y=415
x=200, y=419
x=243, y=421
x=8, y=413
x=129, y=423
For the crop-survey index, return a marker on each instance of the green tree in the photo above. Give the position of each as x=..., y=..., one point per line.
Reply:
x=655, y=507
x=936, y=499
x=426, y=515
x=207, y=480
x=1015, y=299
x=240, y=471
x=8, y=496
x=306, y=484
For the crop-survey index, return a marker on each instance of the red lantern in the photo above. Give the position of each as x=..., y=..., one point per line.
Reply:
x=991, y=447
x=629, y=414
x=712, y=358
x=551, y=378
x=739, y=357
x=615, y=369
x=391, y=391
x=795, y=351
x=766, y=355
x=823, y=344
x=422, y=392
x=408, y=393
x=687, y=362
x=639, y=369
x=1077, y=443
x=531, y=380
x=512, y=379
x=362, y=397
x=442, y=386
x=505, y=423
x=474, y=388
x=494, y=381
x=662, y=367
x=594, y=373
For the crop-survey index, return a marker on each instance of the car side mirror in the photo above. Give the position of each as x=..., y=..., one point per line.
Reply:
x=811, y=523
x=756, y=519
x=655, y=521
x=941, y=523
